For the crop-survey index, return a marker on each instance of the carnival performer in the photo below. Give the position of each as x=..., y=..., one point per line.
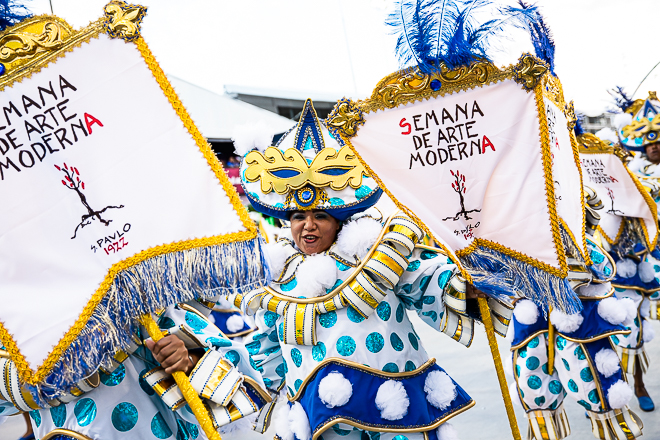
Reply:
x=333, y=329
x=637, y=277
x=134, y=395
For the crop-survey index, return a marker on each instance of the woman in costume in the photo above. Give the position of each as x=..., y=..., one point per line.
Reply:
x=333, y=329
x=573, y=354
x=637, y=277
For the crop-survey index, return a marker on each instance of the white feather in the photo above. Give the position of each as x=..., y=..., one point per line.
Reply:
x=335, y=390
x=612, y=311
x=626, y=268
x=619, y=394
x=526, y=312
x=607, y=362
x=299, y=422
x=446, y=431
x=356, y=237
x=235, y=323
x=648, y=332
x=645, y=308
x=223, y=303
x=277, y=254
x=440, y=389
x=392, y=400
x=595, y=289
x=314, y=275
x=607, y=134
x=566, y=323
x=620, y=120
x=515, y=397
x=646, y=272
x=248, y=137
x=282, y=424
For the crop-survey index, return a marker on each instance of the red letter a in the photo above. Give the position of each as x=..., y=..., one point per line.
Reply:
x=486, y=143
x=91, y=120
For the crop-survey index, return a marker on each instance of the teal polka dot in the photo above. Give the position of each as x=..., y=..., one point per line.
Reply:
x=280, y=331
x=296, y=357
x=399, y=313
x=281, y=369
x=114, y=378
x=443, y=279
x=555, y=387
x=124, y=416
x=341, y=266
x=615, y=340
x=413, y=340
x=272, y=350
x=345, y=346
x=362, y=192
x=532, y=363
x=58, y=414
x=424, y=283
x=218, y=342
x=586, y=405
x=339, y=431
x=233, y=357
x=36, y=416
x=318, y=351
x=554, y=405
x=413, y=266
x=428, y=300
x=396, y=342
x=593, y=397
x=270, y=318
x=253, y=347
x=522, y=394
x=272, y=336
x=534, y=342
x=561, y=343
x=85, y=411
x=400, y=437
x=431, y=314
x=579, y=353
x=544, y=368
x=159, y=428
x=534, y=382
x=522, y=352
x=568, y=367
x=336, y=201
x=195, y=322
x=288, y=287
x=391, y=367
x=297, y=384
x=254, y=365
x=268, y=382
x=186, y=430
x=375, y=342
x=427, y=255
x=384, y=311
x=166, y=322
x=410, y=366
x=539, y=400
x=353, y=315
x=596, y=257
x=517, y=370
x=327, y=320
x=406, y=288
x=585, y=375
x=572, y=386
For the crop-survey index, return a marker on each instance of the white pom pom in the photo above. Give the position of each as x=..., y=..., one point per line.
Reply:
x=276, y=254
x=566, y=323
x=628, y=304
x=607, y=134
x=508, y=365
x=299, y=422
x=515, y=397
x=526, y=312
x=646, y=272
x=392, y=400
x=282, y=424
x=235, y=323
x=612, y=311
x=446, y=431
x=620, y=120
x=648, y=332
x=645, y=308
x=595, y=289
x=356, y=237
x=440, y=389
x=619, y=394
x=314, y=275
x=335, y=390
x=626, y=268
x=607, y=362
x=247, y=137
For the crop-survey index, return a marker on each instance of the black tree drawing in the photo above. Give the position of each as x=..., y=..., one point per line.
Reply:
x=459, y=186
x=610, y=193
x=72, y=181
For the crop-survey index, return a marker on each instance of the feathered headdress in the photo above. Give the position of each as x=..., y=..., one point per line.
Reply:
x=11, y=12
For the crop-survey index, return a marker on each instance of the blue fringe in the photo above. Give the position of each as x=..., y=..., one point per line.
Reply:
x=505, y=278
x=11, y=12
x=162, y=281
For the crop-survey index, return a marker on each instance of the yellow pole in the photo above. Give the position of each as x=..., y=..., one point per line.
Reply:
x=195, y=403
x=492, y=342
x=551, y=344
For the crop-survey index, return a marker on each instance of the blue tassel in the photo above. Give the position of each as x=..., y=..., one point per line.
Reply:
x=156, y=283
x=11, y=12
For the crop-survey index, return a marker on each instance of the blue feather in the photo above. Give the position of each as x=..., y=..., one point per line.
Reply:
x=621, y=98
x=579, y=129
x=11, y=12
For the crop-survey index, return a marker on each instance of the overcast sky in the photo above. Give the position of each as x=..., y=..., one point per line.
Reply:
x=341, y=47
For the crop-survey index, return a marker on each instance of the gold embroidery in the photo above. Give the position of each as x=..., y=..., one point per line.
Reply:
x=123, y=20
x=529, y=71
x=345, y=117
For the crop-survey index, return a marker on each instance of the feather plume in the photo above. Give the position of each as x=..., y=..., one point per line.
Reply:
x=621, y=98
x=11, y=12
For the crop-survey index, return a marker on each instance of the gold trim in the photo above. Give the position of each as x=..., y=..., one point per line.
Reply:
x=599, y=386
x=620, y=286
x=431, y=248
x=355, y=365
x=26, y=373
x=579, y=341
x=652, y=206
x=72, y=434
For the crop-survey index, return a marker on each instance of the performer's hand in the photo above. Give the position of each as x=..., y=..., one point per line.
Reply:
x=171, y=354
x=472, y=292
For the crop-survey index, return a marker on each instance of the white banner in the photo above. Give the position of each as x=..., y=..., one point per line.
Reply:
x=97, y=172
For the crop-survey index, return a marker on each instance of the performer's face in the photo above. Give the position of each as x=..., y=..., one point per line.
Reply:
x=653, y=152
x=313, y=231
